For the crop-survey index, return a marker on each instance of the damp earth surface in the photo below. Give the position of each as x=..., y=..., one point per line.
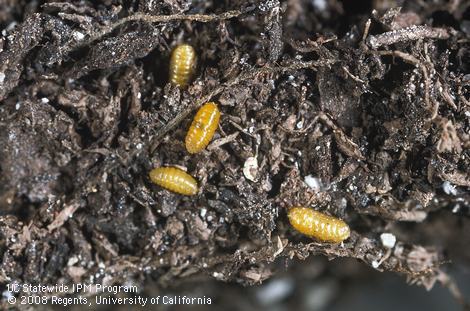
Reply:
x=360, y=111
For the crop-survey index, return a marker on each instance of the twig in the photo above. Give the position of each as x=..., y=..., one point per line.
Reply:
x=453, y=288
x=345, y=144
x=63, y=216
x=238, y=127
x=366, y=30
x=357, y=79
x=151, y=19
x=444, y=90
x=222, y=141
x=407, y=34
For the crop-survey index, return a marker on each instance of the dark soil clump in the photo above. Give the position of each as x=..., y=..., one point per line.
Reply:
x=358, y=111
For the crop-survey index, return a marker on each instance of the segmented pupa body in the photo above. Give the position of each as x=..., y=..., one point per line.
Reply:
x=174, y=179
x=202, y=128
x=318, y=225
x=182, y=65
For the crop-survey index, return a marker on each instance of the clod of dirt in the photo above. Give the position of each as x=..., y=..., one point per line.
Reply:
x=358, y=112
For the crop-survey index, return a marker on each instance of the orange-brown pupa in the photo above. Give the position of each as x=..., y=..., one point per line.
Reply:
x=202, y=128
x=182, y=65
x=318, y=225
x=174, y=179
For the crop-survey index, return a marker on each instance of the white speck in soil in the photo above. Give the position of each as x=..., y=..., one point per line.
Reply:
x=388, y=240
x=274, y=291
x=203, y=212
x=78, y=35
x=319, y=5
x=375, y=264
x=250, y=168
x=449, y=188
x=313, y=182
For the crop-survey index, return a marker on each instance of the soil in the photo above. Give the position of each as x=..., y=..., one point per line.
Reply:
x=359, y=110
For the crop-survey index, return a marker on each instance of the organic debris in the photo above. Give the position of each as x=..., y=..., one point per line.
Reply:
x=361, y=113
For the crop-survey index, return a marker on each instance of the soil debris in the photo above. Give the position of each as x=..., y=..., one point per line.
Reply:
x=361, y=113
